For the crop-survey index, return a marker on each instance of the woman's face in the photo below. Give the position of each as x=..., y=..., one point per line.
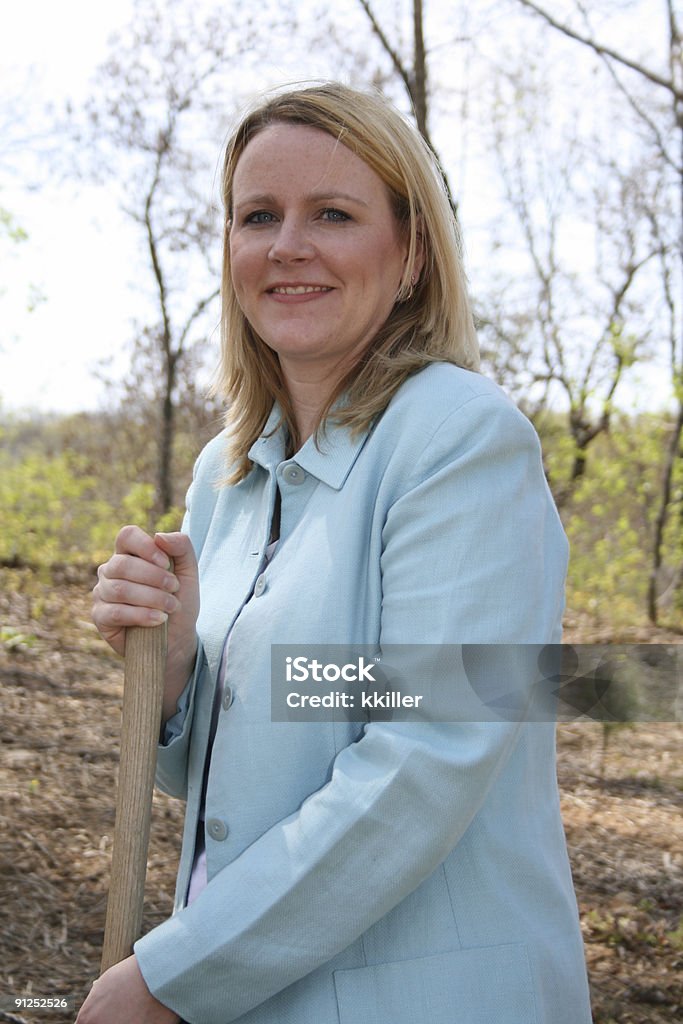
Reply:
x=316, y=253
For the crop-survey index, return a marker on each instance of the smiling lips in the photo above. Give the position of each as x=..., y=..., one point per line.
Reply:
x=299, y=289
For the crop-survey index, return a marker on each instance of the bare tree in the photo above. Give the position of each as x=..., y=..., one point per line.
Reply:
x=670, y=82
x=158, y=112
x=663, y=123
x=563, y=325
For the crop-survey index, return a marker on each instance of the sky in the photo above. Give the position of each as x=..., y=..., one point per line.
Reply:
x=75, y=256
x=79, y=257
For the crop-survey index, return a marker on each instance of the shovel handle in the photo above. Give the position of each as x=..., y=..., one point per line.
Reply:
x=145, y=665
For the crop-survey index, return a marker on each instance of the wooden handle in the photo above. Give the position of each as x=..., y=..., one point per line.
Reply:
x=143, y=691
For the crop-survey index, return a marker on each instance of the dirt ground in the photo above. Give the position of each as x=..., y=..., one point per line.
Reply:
x=61, y=695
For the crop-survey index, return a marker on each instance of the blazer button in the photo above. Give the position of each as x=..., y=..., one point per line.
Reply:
x=293, y=474
x=228, y=697
x=217, y=829
x=260, y=585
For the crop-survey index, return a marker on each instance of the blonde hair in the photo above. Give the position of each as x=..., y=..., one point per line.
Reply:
x=428, y=323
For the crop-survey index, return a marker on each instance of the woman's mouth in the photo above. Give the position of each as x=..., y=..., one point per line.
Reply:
x=298, y=289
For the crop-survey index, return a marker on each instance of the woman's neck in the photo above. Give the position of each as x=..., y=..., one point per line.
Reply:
x=308, y=398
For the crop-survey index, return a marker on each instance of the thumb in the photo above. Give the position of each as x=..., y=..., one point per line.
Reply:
x=178, y=546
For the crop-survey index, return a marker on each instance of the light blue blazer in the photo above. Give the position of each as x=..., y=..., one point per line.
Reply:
x=390, y=872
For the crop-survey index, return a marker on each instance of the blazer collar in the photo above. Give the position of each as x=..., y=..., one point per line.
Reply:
x=330, y=463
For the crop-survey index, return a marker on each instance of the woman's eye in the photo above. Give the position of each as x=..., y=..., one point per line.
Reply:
x=259, y=217
x=335, y=215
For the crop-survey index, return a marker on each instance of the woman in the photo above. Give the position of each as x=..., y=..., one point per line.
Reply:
x=371, y=488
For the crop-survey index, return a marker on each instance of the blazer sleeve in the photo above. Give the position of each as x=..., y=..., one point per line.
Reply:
x=474, y=539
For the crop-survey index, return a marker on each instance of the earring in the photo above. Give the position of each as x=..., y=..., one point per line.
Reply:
x=408, y=296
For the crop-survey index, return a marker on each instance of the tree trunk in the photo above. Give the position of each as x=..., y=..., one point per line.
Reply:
x=662, y=514
x=166, y=438
x=419, y=96
x=579, y=466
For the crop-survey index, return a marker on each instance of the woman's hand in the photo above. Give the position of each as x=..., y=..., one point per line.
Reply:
x=122, y=995
x=137, y=587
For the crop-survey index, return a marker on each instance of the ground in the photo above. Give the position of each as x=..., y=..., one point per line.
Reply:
x=61, y=693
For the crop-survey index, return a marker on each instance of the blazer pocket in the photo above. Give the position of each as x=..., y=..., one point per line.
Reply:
x=489, y=985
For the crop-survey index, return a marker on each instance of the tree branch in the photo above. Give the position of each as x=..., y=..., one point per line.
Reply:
x=196, y=312
x=645, y=117
x=399, y=66
x=154, y=256
x=606, y=51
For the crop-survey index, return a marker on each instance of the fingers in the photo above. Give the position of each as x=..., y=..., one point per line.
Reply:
x=136, y=588
x=112, y=619
x=137, y=574
x=179, y=547
x=153, y=593
x=131, y=540
x=118, y=604
x=136, y=570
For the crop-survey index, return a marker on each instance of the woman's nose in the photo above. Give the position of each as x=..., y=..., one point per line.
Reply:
x=292, y=242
